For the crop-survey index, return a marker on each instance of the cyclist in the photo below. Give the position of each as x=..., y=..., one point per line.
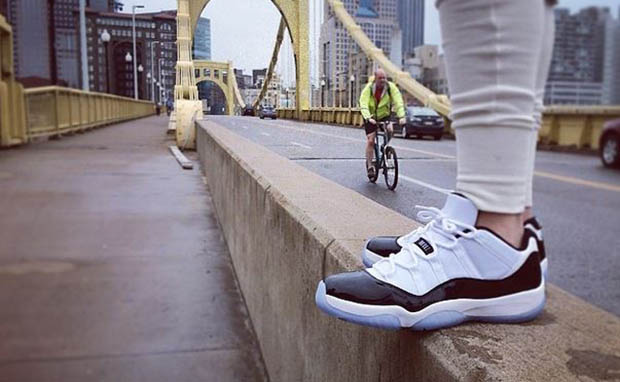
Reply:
x=376, y=103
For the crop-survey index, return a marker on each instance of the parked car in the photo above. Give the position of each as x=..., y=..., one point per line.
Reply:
x=609, y=143
x=421, y=121
x=248, y=110
x=267, y=112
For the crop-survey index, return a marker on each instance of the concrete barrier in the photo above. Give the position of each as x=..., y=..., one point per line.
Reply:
x=287, y=227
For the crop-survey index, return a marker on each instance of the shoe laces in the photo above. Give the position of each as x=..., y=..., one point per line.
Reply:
x=438, y=223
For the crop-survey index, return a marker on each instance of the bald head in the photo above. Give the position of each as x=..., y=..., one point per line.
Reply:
x=380, y=78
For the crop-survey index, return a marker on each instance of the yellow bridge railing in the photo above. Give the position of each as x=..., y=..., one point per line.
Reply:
x=47, y=111
x=562, y=125
x=56, y=110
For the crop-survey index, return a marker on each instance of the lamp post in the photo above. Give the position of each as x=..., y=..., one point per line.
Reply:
x=322, y=92
x=140, y=71
x=287, y=104
x=135, y=62
x=83, y=48
x=351, y=81
x=162, y=84
x=105, y=37
x=153, y=71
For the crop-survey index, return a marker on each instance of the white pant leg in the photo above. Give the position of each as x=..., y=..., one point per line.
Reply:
x=491, y=52
x=541, y=80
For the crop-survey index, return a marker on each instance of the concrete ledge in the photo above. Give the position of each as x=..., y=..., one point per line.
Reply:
x=287, y=227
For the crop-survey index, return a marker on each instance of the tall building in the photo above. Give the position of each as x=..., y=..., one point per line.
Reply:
x=611, y=65
x=411, y=21
x=577, y=67
x=66, y=55
x=31, y=39
x=378, y=19
x=202, y=40
x=109, y=69
x=46, y=39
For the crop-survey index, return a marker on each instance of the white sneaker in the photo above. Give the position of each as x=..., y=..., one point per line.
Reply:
x=451, y=273
x=380, y=247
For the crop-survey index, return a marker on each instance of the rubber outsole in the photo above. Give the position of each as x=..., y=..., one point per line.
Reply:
x=436, y=320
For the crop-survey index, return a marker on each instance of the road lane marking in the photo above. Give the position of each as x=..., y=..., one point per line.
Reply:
x=444, y=191
x=265, y=134
x=542, y=174
x=244, y=127
x=577, y=181
x=301, y=145
x=359, y=140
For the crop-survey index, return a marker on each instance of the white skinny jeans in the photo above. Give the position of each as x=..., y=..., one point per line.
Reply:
x=497, y=55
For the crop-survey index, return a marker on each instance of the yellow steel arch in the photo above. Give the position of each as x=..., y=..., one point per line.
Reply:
x=188, y=108
x=223, y=75
x=438, y=102
x=272, y=64
x=295, y=14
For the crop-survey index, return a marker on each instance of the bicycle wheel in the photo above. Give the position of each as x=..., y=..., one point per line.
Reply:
x=375, y=176
x=390, y=169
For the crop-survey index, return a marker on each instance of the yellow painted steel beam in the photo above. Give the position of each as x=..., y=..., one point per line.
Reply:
x=12, y=110
x=272, y=64
x=439, y=103
x=229, y=88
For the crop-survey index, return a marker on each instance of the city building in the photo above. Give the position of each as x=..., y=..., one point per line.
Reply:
x=611, y=62
x=378, y=19
x=47, y=43
x=411, y=21
x=202, y=40
x=579, y=57
x=258, y=77
x=32, y=46
x=110, y=64
x=427, y=67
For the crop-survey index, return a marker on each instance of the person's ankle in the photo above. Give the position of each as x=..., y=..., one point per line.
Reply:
x=528, y=213
x=507, y=226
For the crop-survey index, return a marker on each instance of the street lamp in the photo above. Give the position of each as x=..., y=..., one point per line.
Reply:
x=287, y=104
x=105, y=37
x=135, y=66
x=162, y=84
x=128, y=57
x=322, y=92
x=351, y=80
x=153, y=71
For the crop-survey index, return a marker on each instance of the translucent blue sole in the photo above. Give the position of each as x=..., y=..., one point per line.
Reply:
x=434, y=321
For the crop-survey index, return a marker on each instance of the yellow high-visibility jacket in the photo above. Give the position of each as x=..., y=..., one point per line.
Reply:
x=390, y=97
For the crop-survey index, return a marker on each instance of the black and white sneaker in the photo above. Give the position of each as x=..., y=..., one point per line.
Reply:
x=380, y=247
x=452, y=273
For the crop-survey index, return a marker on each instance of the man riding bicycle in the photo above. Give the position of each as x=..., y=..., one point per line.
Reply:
x=376, y=103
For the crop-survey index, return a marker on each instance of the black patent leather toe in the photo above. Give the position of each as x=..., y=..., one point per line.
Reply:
x=358, y=286
x=383, y=245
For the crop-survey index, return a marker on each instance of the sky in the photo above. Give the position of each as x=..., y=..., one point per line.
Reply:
x=244, y=31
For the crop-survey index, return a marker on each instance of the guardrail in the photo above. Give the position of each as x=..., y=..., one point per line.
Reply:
x=576, y=126
x=55, y=110
x=12, y=117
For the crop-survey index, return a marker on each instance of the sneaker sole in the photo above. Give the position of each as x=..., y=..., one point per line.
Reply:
x=514, y=308
x=369, y=258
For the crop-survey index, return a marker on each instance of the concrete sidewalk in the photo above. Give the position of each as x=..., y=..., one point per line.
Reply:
x=113, y=267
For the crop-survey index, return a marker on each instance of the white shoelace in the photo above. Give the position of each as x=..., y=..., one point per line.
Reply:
x=436, y=221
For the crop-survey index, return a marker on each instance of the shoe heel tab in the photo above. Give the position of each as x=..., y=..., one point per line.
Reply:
x=534, y=222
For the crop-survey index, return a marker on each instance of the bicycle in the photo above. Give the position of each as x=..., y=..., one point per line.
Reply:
x=385, y=157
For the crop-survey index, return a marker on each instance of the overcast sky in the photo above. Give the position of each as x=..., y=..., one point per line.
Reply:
x=243, y=31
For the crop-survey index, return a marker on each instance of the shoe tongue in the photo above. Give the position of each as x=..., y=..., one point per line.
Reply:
x=461, y=209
